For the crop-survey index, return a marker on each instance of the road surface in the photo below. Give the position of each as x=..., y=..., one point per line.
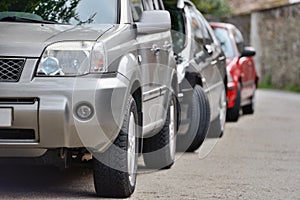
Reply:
x=257, y=158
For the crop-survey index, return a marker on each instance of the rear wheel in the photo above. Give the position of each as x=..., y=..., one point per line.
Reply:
x=199, y=115
x=159, y=150
x=233, y=114
x=115, y=169
x=249, y=109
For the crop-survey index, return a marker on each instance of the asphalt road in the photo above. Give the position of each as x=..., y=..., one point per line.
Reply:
x=257, y=158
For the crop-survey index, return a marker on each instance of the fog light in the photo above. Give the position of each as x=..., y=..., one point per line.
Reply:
x=84, y=111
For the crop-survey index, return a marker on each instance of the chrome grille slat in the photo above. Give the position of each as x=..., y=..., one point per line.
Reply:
x=11, y=69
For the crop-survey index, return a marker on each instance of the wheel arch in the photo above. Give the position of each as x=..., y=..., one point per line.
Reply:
x=136, y=92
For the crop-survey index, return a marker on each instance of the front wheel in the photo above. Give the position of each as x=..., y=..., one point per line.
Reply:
x=159, y=150
x=115, y=170
x=199, y=115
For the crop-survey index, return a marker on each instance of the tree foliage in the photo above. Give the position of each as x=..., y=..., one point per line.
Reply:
x=213, y=7
x=57, y=9
x=52, y=10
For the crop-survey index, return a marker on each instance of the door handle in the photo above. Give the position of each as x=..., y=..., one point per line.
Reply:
x=221, y=58
x=155, y=49
x=213, y=62
x=167, y=46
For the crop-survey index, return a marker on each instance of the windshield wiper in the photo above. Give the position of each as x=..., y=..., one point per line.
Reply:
x=22, y=19
x=89, y=20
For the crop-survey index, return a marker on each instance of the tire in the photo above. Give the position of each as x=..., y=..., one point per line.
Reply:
x=249, y=109
x=115, y=170
x=159, y=150
x=233, y=114
x=199, y=115
x=223, y=111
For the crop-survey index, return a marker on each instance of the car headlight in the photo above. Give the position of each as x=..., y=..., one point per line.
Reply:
x=72, y=59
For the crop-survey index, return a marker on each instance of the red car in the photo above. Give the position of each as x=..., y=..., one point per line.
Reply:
x=241, y=72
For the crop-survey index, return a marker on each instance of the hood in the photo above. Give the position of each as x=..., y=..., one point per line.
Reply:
x=29, y=40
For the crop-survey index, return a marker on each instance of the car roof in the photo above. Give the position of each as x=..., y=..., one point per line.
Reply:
x=222, y=25
x=180, y=3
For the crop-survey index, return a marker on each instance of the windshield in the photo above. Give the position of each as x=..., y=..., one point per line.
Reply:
x=74, y=12
x=226, y=44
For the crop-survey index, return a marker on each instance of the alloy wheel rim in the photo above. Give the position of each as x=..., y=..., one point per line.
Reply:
x=131, y=152
x=172, y=137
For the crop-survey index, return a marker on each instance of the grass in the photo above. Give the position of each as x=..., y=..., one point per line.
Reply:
x=287, y=88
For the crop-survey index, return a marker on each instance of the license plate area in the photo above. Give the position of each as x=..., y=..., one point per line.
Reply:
x=6, y=117
x=23, y=122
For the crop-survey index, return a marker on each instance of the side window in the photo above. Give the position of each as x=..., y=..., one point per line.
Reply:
x=137, y=9
x=178, y=29
x=158, y=5
x=239, y=40
x=149, y=5
x=206, y=33
x=197, y=28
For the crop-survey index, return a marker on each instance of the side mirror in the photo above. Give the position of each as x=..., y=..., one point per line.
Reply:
x=248, y=52
x=209, y=49
x=154, y=21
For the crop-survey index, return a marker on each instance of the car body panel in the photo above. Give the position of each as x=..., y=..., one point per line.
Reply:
x=35, y=37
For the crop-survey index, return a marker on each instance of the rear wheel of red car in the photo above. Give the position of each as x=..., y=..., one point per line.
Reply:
x=249, y=109
x=115, y=170
x=200, y=119
x=233, y=114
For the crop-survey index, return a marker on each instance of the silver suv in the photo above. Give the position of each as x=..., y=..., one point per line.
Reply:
x=88, y=77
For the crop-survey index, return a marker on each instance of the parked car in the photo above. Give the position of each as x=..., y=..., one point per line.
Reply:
x=88, y=77
x=243, y=78
x=201, y=74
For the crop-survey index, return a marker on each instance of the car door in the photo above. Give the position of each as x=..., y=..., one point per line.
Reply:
x=212, y=75
x=165, y=69
x=246, y=65
x=197, y=55
x=150, y=57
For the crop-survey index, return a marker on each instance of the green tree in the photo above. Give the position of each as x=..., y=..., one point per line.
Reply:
x=213, y=7
x=56, y=10
x=17, y=5
x=218, y=8
x=53, y=10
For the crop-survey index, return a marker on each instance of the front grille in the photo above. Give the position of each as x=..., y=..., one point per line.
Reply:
x=11, y=69
x=17, y=134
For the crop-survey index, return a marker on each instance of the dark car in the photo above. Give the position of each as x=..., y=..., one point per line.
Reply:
x=242, y=75
x=201, y=68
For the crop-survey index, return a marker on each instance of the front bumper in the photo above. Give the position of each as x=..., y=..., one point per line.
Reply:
x=44, y=116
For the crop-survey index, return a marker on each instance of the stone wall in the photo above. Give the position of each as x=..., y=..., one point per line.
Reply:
x=243, y=22
x=248, y=6
x=275, y=33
